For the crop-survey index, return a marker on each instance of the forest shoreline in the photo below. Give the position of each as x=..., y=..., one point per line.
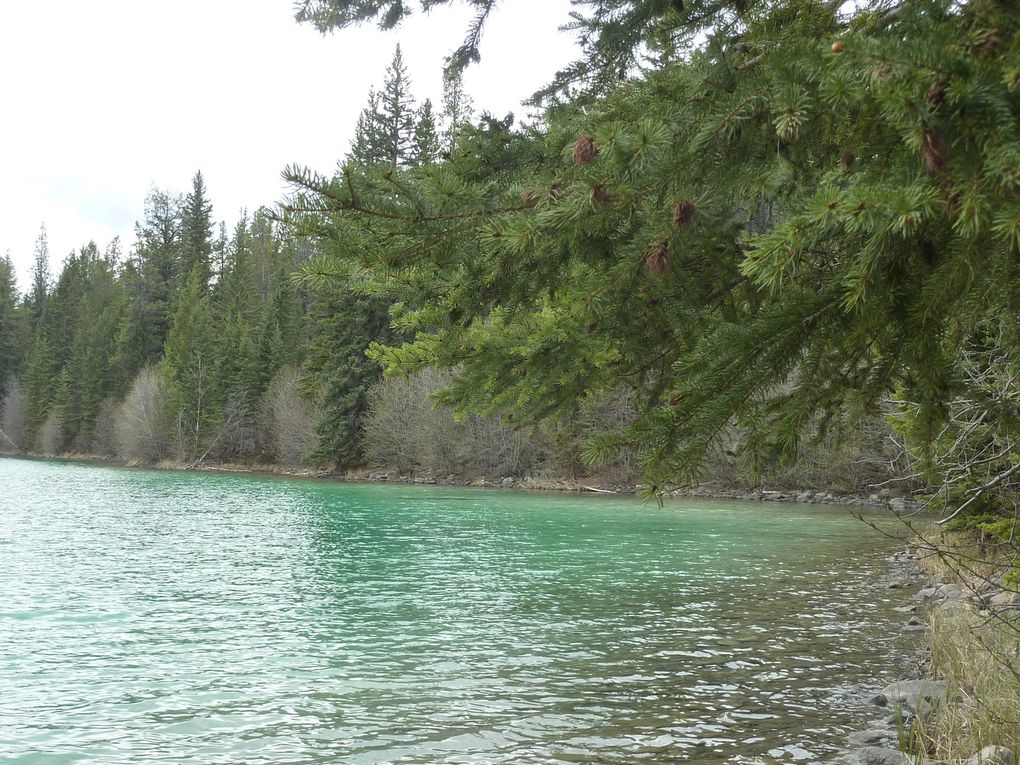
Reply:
x=561, y=485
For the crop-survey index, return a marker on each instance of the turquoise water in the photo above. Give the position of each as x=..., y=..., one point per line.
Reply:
x=153, y=617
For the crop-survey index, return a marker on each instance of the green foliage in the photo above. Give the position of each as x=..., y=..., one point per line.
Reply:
x=426, y=136
x=326, y=15
x=12, y=325
x=196, y=232
x=340, y=373
x=124, y=350
x=40, y=277
x=190, y=365
x=386, y=130
x=69, y=370
x=801, y=214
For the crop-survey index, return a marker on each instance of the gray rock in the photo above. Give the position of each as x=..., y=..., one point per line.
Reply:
x=992, y=755
x=1004, y=599
x=898, y=503
x=873, y=755
x=926, y=593
x=913, y=629
x=873, y=737
x=508, y=483
x=950, y=592
x=906, y=609
x=913, y=620
x=879, y=724
x=878, y=700
x=918, y=695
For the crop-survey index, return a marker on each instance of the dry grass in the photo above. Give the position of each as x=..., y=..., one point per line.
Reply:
x=979, y=659
x=976, y=651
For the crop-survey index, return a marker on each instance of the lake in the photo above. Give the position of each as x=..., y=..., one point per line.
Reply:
x=160, y=617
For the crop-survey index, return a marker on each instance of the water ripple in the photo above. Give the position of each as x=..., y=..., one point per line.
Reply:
x=179, y=618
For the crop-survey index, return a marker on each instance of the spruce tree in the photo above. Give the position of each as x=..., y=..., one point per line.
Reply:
x=157, y=252
x=426, y=136
x=196, y=246
x=41, y=278
x=189, y=365
x=458, y=109
x=12, y=337
x=397, y=112
x=369, y=145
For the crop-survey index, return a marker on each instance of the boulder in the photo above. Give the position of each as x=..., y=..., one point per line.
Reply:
x=992, y=755
x=913, y=629
x=918, y=695
x=872, y=737
x=950, y=592
x=873, y=755
x=926, y=593
x=878, y=700
x=1004, y=598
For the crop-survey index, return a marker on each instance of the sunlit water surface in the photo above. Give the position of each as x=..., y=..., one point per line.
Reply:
x=181, y=618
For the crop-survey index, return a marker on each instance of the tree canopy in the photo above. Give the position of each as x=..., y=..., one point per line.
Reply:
x=783, y=212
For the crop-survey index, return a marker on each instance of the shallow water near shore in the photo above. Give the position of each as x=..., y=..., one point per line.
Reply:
x=155, y=617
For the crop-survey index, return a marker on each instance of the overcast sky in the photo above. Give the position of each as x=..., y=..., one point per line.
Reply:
x=102, y=100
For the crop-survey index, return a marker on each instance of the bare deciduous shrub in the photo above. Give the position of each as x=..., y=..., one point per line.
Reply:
x=102, y=442
x=12, y=418
x=48, y=438
x=237, y=435
x=401, y=423
x=855, y=457
x=289, y=419
x=141, y=430
x=605, y=413
x=406, y=429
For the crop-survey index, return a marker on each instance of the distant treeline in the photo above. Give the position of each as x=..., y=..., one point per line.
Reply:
x=198, y=343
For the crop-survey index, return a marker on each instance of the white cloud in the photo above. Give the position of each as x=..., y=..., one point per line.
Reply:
x=102, y=100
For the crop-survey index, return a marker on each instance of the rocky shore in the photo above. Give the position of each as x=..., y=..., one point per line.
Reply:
x=918, y=696
x=881, y=499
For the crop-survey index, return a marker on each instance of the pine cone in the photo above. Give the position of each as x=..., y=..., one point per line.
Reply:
x=600, y=195
x=584, y=150
x=987, y=41
x=934, y=150
x=683, y=212
x=528, y=198
x=658, y=259
x=936, y=93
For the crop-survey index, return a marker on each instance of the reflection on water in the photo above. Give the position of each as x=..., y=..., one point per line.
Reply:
x=180, y=618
